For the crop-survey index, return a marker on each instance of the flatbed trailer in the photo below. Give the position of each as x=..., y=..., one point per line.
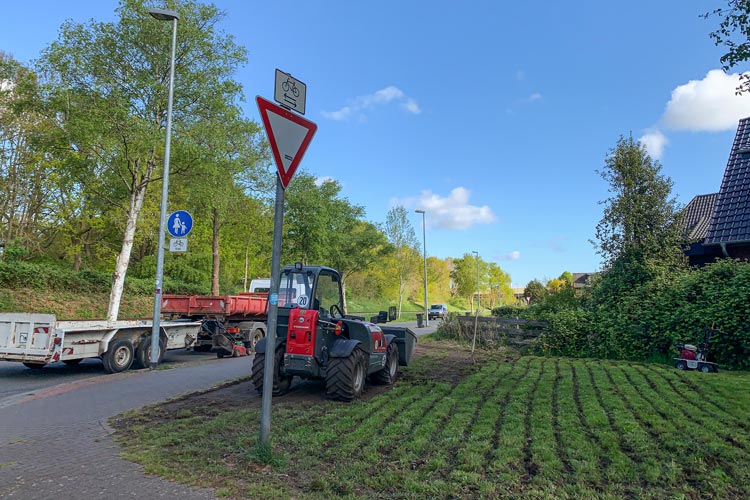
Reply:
x=40, y=339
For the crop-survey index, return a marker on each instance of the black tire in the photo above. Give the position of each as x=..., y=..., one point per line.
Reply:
x=72, y=362
x=143, y=353
x=119, y=356
x=220, y=354
x=280, y=384
x=387, y=375
x=681, y=365
x=345, y=377
x=33, y=366
x=706, y=368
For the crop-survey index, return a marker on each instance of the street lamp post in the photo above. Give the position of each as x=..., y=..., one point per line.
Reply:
x=163, y=15
x=424, y=246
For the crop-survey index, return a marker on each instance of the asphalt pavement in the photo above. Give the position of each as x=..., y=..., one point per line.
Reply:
x=55, y=442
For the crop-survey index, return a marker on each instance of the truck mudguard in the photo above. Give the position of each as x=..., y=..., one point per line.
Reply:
x=343, y=347
x=389, y=338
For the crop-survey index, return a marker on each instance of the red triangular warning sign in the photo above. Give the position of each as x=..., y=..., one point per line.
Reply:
x=289, y=135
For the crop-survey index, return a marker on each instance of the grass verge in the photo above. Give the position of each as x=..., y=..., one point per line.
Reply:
x=502, y=427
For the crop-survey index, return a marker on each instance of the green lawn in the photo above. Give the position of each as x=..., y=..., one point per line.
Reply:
x=503, y=427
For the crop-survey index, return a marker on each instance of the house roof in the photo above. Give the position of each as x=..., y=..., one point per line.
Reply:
x=731, y=218
x=697, y=215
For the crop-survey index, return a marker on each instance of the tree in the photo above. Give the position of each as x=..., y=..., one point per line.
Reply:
x=499, y=285
x=405, y=256
x=108, y=85
x=535, y=291
x=640, y=214
x=735, y=21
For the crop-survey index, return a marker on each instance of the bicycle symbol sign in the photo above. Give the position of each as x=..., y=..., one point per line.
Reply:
x=290, y=92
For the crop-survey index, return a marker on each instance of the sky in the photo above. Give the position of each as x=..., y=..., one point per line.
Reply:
x=491, y=116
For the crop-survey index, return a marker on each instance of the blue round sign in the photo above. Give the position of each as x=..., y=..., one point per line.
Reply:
x=180, y=223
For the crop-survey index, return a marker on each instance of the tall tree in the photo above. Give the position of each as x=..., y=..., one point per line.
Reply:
x=109, y=82
x=734, y=34
x=405, y=256
x=27, y=181
x=641, y=212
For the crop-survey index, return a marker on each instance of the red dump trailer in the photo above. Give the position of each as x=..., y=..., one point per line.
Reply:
x=242, y=317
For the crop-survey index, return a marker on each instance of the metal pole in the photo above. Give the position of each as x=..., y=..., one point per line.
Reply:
x=154, y=361
x=424, y=243
x=273, y=309
x=476, y=317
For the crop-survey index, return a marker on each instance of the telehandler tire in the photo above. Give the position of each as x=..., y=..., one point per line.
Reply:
x=387, y=375
x=345, y=377
x=280, y=384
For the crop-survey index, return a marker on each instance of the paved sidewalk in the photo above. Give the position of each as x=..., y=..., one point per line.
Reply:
x=57, y=444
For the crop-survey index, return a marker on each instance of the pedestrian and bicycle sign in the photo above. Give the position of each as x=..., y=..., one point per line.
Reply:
x=290, y=92
x=180, y=223
x=289, y=135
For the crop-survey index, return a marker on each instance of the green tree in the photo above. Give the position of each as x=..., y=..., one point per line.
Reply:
x=734, y=34
x=108, y=81
x=535, y=292
x=641, y=212
x=499, y=283
x=405, y=256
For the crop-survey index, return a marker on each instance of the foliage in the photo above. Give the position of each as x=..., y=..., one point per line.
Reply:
x=47, y=278
x=640, y=215
x=404, y=259
x=735, y=22
x=535, y=291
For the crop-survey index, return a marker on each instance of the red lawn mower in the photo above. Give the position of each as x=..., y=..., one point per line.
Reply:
x=694, y=357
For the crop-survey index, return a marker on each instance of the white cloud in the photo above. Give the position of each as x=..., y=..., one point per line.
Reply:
x=319, y=181
x=654, y=141
x=536, y=96
x=706, y=105
x=514, y=255
x=453, y=212
x=379, y=98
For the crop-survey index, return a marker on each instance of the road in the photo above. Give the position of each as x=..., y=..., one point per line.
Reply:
x=19, y=382
x=55, y=440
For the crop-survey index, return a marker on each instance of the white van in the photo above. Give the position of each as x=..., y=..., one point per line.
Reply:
x=260, y=285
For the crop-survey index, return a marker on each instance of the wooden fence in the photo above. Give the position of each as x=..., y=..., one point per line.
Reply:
x=504, y=331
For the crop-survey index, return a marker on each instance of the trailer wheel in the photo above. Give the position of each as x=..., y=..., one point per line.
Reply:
x=143, y=352
x=280, y=383
x=345, y=377
x=706, y=368
x=387, y=375
x=119, y=356
x=33, y=366
x=681, y=365
x=255, y=337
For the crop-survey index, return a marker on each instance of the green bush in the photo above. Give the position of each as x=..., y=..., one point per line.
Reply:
x=638, y=310
x=17, y=275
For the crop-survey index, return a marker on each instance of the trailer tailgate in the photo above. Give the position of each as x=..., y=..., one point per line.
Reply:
x=28, y=337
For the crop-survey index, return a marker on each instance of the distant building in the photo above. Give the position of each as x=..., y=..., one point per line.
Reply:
x=717, y=225
x=581, y=280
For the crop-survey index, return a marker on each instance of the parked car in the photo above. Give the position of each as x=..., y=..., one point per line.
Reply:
x=437, y=311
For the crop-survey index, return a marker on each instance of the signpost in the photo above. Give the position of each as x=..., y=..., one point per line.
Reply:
x=289, y=136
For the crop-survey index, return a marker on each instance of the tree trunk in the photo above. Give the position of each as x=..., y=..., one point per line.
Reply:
x=215, y=250
x=121, y=267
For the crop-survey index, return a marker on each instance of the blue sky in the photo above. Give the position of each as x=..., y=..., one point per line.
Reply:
x=491, y=116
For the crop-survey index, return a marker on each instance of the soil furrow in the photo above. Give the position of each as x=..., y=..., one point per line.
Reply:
x=556, y=421
x=530, y=467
